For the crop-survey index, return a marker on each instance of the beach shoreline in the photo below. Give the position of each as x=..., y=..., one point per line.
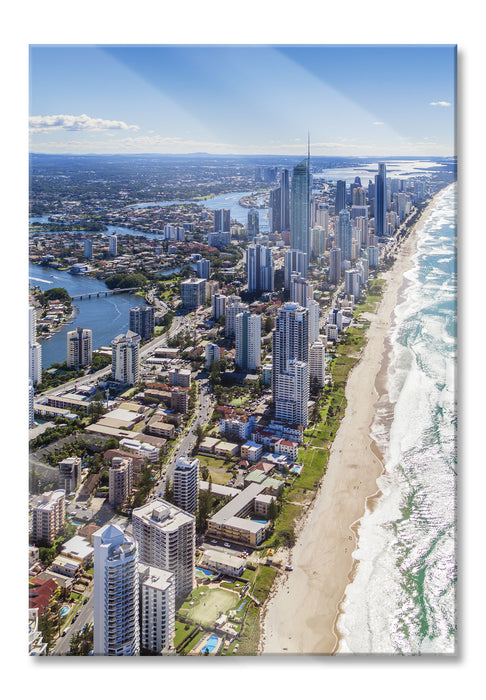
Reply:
x=300, y=616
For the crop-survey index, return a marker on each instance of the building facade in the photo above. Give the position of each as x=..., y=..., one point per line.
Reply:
x=79, y=348
x=125, y=360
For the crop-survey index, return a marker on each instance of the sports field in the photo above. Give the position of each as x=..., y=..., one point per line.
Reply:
x=210, y=605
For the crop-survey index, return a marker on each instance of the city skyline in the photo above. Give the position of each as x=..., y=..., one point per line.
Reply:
x=242, y=99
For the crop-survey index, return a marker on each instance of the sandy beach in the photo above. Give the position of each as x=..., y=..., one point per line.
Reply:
x=300, y=615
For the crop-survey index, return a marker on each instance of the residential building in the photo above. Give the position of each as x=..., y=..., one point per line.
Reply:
x=335, y=265
x=299, y=208
x=70, y=474
x=142, y=321
x=295, y=261
x=79, y=348
x=88, y=249
x=186, y=481
x=314, y=314
x=301, y=289
x=232, y=523
x=234, y=306
x=166, y=538
x=380, y=201
x=253, y=226
x=344, y=235
x=218, y=306
x=113, y=245
x=203, y=268
x=222, y=220
x=248, y=342
x=340, y=201
x=284, y=200
x=125, y=359
x=317, y=361
x=290, y=345
x=116, y=593
x=179, y=377
x=292, y=393
x=31, y=405
x=212, y=354
x=48, y=517
x=157, y=608
x=259, y=269
x=37, y=646
x=120, y=481
x=35, y=350
x=193, y=293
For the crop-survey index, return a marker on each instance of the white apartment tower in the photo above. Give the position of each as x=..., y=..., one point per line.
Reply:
x=112, y=245
x=186, y=483
x=116, y=593
x=125, y=361
x=193, y=293
x=35, y=350
x=314, y=313
x=290, y=371
x=166, y=538
x=157, y=608
x=248, y=341
x=234, y=306
x=218, y=306
x=79, y=347
x=317, y=361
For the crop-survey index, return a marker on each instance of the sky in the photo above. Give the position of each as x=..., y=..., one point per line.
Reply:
x=354, y=100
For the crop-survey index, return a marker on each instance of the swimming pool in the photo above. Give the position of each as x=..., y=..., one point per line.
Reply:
x=64, y=611
x=205, y=572
x=211, y=644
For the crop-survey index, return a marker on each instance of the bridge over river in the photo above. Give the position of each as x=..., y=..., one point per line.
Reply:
x=103, y=293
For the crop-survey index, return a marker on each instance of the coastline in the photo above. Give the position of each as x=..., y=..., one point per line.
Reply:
x=301, y=613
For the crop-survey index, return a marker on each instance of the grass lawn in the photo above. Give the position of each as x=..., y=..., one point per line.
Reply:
x=211, y=605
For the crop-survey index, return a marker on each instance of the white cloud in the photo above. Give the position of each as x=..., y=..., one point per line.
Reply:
x=379, y=123
x=440, y=103
x=69, y=122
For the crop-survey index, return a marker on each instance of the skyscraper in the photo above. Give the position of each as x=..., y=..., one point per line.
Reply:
x=88, y=249
x=299, y=208
x=203, y=268
x=294, y=262
x=116, y=593
x=218, y=306
x=300, y=290
x=193, y=293
x=344, y=234
x=142, y=321
x=290, y=351
x=79, y=347
x=166, y=538
x=253, y=225
x=335, y=265
x=340, y=201
x=380, y=200
x=157, y=608
x=248, y=341
x=274, y=206
x=222, y=220
x=35, y=350
x=112, y=244
x=48, y=516
x=259, y=269
x=125, y=359
x=120, y=477
x=284, y=200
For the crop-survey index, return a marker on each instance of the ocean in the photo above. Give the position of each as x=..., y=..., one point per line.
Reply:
x=402, y=599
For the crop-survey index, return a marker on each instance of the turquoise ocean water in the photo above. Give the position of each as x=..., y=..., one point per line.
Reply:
x=402, y=597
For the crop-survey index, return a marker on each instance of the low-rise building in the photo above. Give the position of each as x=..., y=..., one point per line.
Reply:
x=251, y=451
x=223, y=563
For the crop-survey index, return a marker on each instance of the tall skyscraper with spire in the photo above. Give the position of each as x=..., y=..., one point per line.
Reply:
x=300, y=206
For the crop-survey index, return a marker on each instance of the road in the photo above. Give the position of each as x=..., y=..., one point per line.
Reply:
x=84, y=617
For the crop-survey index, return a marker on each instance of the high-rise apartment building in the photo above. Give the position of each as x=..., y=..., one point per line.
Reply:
x=48, y=517
x=253, y=223
x=88, y=249
x=234, y=306
x=116, y=593
x=284, y=200
x=317, y=361
x=120, y=477
x=248, y=341
x=79, y=348
x=35, y=349
x=142, y=321
x=113, y=245
x=125, y=359
x=314, y=313
x=193, y=293
x=290, y=375
x=274, y=210
x=157, y=608
x=259, y=269
x=203, y=268
x=335, y=265
x=301, y=290
x=166, y=538
x=218, y=306
x=186, y=483
x=340, y=201
x=299, y=208
x=211, y=354
x=380, y=200
x=222, y=220
x=344, y=234
x=294, y=262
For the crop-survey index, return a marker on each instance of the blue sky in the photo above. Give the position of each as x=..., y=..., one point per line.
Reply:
x=354, y=100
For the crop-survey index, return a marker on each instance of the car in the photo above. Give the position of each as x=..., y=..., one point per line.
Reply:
x=226, y=544
x=289, y=568
x=214, y=541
